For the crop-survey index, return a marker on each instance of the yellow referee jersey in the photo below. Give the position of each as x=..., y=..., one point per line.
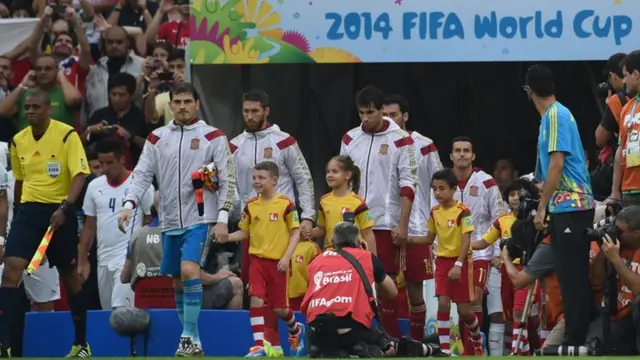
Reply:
x=47, y=166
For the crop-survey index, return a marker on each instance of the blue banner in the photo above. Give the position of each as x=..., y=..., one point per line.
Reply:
x=326, y=31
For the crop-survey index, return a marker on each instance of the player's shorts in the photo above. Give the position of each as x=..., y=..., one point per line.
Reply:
x=515, y=299
x=42, y=286
x=113, y=293
x=296, y=303
x=494, y=298
x=218, y=295
x=481, y=270
x=184, y=246
x=267, y=283
x=417, y=258
x=30, y=224
x=460, y=291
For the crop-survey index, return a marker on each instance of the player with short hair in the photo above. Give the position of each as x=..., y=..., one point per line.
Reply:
x=172, y=154
x=387, y=158
x=480, y=192
x=419, y=265
x=49, y=166
x=102, y=204
x=271, y=221
x=452, y=223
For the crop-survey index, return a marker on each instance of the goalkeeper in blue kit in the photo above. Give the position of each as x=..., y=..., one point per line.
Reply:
x=172, y=154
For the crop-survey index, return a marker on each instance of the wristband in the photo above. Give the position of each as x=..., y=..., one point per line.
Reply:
x=458, y=263
x=1, y=240
x=128, y=204
x=223, y=216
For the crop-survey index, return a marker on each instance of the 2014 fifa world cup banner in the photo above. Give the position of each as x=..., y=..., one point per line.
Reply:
x=353, y=31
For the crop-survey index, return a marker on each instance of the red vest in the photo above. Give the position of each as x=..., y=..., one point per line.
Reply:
x=335, y=287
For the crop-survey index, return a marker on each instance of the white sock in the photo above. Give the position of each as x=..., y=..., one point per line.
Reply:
x=496, y=339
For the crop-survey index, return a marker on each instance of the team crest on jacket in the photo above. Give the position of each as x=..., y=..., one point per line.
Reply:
x=384, y=149
x=299, y=259
x=195, y=144
x=273, y=217
x=451, y=223
x=473, y=191
x=344, y=210
x=268, y=153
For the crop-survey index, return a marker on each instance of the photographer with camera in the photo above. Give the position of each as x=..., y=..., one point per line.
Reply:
x=567, y=194
x=614, y=91
x=340, y=306
x=621, y=247
x=161, y=80
x=626, y=171
x=607, y=132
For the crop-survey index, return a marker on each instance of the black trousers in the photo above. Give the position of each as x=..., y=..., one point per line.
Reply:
x=571, y=248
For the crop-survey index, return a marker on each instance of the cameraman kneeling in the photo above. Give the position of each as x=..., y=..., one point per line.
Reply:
x=624, y=254
x=338, y=309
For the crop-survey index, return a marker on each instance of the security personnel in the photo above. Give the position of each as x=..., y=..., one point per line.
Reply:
x=338, y=308
x=49, y=166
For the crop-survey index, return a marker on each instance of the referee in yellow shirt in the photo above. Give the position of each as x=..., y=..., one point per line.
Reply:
x=50, y=166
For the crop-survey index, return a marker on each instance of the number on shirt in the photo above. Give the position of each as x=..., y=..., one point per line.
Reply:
x=483, y=275
x=112, y=204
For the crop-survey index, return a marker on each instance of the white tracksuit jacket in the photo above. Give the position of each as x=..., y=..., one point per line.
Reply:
x=273, y=144
x=171, y=153
x=388, y=163
x=428, y=164
x=482, y=196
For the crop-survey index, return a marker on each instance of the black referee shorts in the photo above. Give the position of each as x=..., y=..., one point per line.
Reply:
x=29, y=226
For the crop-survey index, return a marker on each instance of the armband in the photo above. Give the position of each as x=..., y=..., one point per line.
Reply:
x=458, y=263
x=223, y=216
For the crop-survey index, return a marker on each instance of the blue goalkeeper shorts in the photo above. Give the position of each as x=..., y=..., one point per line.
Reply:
x=182, y=245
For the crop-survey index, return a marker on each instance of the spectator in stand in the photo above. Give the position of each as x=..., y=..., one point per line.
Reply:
x=160, y=50
x=19, y=56
x=122, y=119
x=64, y=45
x=21, y=10
x=156, y=103
x=134, y=33
x=135, y=13
x=119, y=58
x=7, y=126
x=51, y=80
x=176, y=30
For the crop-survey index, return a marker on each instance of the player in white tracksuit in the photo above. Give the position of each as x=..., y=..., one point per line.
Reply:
x=103, y=202
x=263, y=141
x=419, y=258
x=172, y=154
x=480, y=192
x=43, y=286
x=386, y=156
